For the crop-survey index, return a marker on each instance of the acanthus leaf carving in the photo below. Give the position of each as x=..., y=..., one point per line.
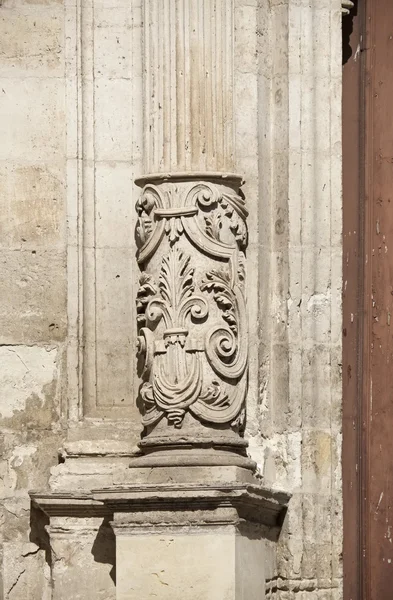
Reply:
x=219, y=282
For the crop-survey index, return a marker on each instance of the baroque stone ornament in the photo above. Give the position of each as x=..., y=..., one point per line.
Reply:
x=346, y=6
x=191, y=307
x=191, y=235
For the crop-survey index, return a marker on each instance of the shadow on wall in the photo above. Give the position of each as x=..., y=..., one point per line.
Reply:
x=104, y=547
x=39, y=522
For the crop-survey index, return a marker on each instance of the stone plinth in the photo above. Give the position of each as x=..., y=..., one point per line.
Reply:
x=214, y=562
x=203, y=537
x=182, y=533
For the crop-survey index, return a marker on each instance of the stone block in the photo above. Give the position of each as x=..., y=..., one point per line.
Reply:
x=26, y=372
x=206, y=564
x=33, y=211
x=33, y=308
x=32, y=119
x=25, y=573
x=113, y=127
x=320, y=456
x=113, y=49
x=31, y=43
x=83, y=559
x=115, y=197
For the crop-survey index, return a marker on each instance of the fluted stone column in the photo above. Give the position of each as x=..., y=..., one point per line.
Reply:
x=191, y=236
x=188, y=86
x=191, y=520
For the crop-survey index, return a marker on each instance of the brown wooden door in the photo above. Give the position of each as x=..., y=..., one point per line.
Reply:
x=368, y=303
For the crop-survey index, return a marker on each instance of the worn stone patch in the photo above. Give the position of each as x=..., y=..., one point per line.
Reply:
x=25, y=572
x=31, y=42
x=25, y=370
x=33, y=307
x=32, y=213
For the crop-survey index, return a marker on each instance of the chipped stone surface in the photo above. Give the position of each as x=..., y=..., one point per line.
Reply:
x=26, y=370
x=33, y=281
x=296, y=429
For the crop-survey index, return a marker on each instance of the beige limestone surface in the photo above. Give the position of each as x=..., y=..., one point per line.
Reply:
x=214, y=564
x=71, y=140
x=33, y=280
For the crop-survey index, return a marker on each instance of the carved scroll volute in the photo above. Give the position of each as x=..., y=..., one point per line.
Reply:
x=193, y=336
x=346, y=6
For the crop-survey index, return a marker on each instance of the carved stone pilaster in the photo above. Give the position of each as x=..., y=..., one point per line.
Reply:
x=193, y=333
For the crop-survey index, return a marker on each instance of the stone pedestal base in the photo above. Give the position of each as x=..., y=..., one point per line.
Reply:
x=180, y=532
x=202, y=536
x=209, y=562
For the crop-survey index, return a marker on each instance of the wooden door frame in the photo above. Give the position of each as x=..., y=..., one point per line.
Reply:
x=354, y=250
x=366, y=195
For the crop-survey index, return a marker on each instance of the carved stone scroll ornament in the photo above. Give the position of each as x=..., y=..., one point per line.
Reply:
x=346, y=6
x=192, y=325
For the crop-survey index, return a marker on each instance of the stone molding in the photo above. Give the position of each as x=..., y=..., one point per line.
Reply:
x=147, y=506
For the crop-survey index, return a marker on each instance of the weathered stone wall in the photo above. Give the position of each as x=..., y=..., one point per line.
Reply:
x=296, y=427
x=70, y=147
x=33, y=320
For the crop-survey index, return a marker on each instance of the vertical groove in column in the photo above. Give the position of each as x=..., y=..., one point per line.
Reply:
x=208, y=107
x=161, y=71
x=194, y=83
x=188, y=69
x=187, y=86
x=166, y=81
x=203, y=125
x=172, y=34
x=213, y=156
x=147, y=90
x=229, y=70
x=177, y=22
x=219, y=91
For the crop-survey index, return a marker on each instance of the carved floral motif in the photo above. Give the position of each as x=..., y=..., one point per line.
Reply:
x=195, y=356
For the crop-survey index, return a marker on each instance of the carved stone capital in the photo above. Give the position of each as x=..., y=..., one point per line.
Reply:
x=191, y=308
